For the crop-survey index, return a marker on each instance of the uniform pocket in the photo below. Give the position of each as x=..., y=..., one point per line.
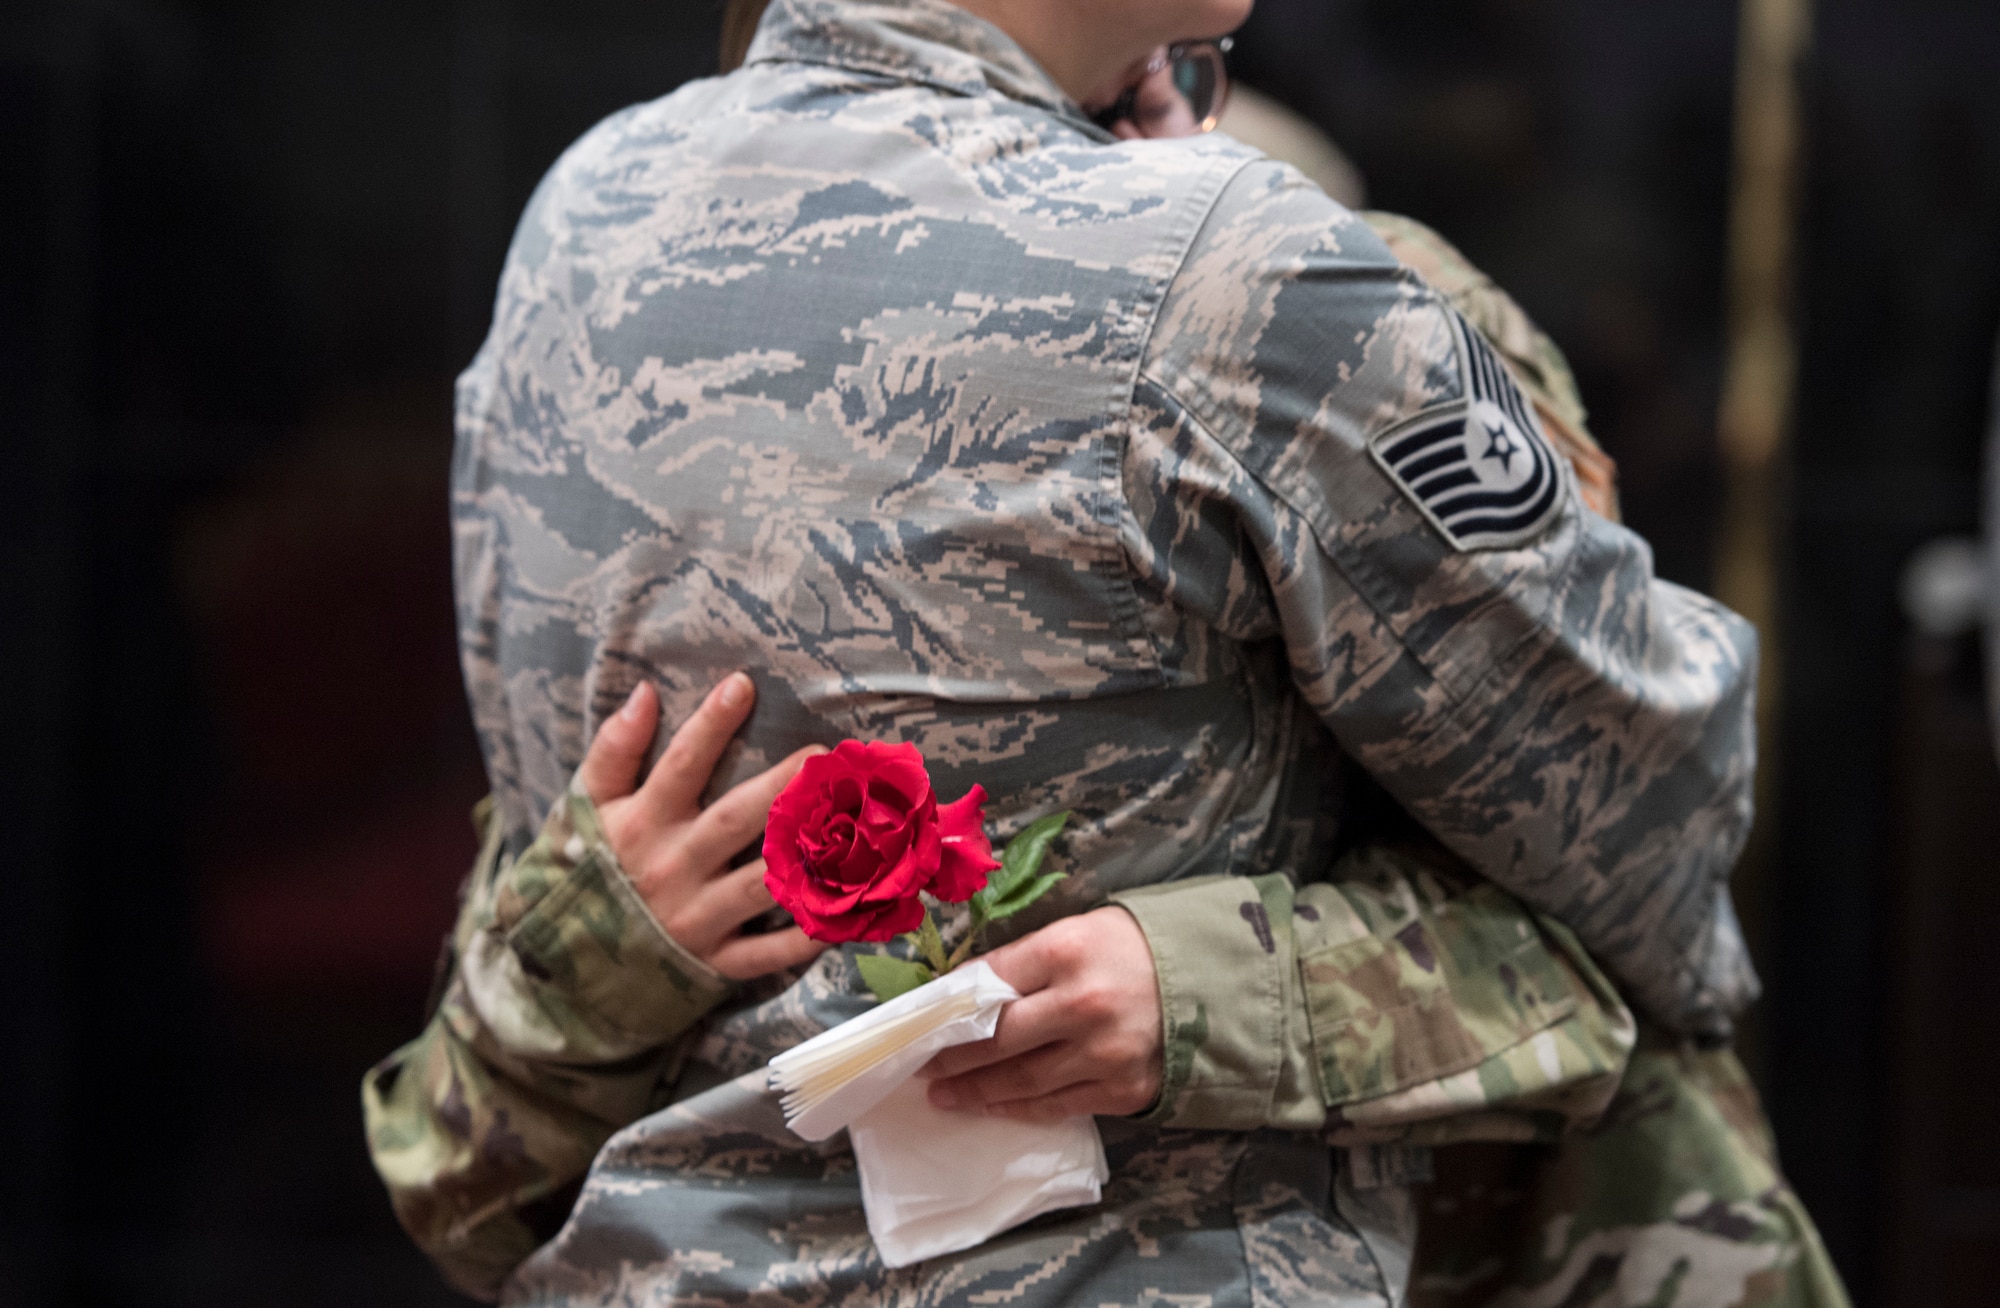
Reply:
x=1449, y=991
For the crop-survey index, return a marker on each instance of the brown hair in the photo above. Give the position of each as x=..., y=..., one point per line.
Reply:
x=739, y=27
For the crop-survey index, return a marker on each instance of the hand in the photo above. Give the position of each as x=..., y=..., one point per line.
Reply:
x=677, y=852
x=1084, y=1038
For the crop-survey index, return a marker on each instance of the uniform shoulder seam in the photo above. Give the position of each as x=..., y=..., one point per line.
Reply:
x=1188, y=244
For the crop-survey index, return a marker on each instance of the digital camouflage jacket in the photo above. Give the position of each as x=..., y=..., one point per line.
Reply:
x=1135, y=479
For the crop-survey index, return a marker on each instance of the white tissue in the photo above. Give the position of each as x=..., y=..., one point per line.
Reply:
x=933, y=1182
x=838, y=1075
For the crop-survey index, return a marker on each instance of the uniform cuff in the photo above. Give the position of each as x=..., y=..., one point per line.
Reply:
x=1222, y=954
x=584, y=937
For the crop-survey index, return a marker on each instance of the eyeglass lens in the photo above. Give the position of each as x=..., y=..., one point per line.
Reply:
x=1200, y=80
x=1182, y=95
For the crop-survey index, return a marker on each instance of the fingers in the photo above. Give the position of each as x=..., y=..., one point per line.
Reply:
x=1025, y=1025
x=610, y=770
x=734, y=898
x=1057, y=1081
x=682, y=773
x=747, y=957
x=706, y=913
x=1043, y=1072
x=1028, y=964
x=1089, y=1017
x=1091, y=1099
x=1032, y=965
x=732, y=822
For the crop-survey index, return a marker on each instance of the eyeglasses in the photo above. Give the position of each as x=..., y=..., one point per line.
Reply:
x=1181, y=92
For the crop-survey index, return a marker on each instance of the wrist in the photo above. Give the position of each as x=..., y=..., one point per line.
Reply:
x=588, y=943
x=1220, y=954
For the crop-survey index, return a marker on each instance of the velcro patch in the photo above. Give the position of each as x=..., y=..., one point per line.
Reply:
x=1480, y=469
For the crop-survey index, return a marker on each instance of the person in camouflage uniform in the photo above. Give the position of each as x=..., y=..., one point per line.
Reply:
x=1673, y=1198
x=914, y=492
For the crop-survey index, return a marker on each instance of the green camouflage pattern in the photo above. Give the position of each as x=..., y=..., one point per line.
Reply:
x=481, y=1170
x=1403, y=1001
x=1591, y=1163
x=483, y=1127
x=1458, y=1012
x=1673, y=1199
x=555, y=1024
x=876, y=369
x=1704, y=1135
x=1687, y=1128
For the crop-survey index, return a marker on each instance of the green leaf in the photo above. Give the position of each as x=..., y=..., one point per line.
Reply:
x=1019, y=863
x=1024, y=896
x=931, y=945
x=889, y=977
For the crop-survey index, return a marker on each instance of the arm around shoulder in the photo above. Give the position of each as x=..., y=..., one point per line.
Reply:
x=1502, y=660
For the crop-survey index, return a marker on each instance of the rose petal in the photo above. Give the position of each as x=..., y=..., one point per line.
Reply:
x=882, y=805
x=965, y=818
x=853, y=840
x=847, y=794
x=961, y=874
x=967, y=855
x=893, y=920
x=892, y=843
x=781, y=839
x=874, y=923
x=887, y=882
x=901, y=766
x=908, y=876
x=858, y=869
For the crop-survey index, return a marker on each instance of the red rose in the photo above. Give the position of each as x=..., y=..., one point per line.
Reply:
x=858, y=835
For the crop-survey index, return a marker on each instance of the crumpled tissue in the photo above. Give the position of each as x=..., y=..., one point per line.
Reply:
x=933, y=1182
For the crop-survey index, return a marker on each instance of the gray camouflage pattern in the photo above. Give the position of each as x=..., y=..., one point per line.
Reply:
x=1404, y=1004
x=875, y=369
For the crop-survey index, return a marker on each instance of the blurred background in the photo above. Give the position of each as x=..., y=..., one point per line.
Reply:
x=244, y=247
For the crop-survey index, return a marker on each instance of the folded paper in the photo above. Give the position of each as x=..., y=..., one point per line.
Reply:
x=933, y=1182
x=835, y=1077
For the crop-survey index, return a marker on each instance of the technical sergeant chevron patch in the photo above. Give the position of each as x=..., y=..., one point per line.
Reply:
x=1480, y=469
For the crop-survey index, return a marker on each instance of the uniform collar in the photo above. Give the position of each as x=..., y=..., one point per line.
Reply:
x=932, y=42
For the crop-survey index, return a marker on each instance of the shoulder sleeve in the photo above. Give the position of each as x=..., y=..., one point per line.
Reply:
x=1500, y=659
x=1536, y=362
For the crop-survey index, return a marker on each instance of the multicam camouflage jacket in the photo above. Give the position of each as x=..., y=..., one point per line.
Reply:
x=1135, y=479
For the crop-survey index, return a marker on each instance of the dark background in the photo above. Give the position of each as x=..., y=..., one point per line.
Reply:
x=245, y=246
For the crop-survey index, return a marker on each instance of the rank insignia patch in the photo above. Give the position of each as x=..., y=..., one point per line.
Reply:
x=1480, y=470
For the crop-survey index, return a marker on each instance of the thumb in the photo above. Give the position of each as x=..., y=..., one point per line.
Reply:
x=611, y=769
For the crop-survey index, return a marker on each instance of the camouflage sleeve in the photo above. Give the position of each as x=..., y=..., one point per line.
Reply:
x=1574, y=728
x=558, y=1023
x=1537, y=363
x=1400, y=1002
x=1673, y=1199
